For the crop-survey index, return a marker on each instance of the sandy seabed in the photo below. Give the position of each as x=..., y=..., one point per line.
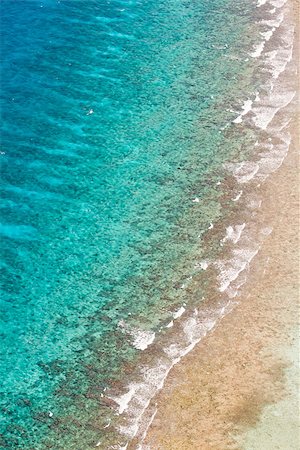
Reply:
x=239, y=388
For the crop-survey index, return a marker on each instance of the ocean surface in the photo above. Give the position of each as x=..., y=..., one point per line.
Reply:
x=117, y=125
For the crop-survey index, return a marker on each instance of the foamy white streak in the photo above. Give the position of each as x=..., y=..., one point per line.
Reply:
x=124, y=400
x=261, y=3
x=141, y=446
x=279, y=58
x=245, y=109
x=270, y=161
x=265, y=114
x=137, y=400
x=244, y=171
x=233, y=290
x=203, y=265
x=258, y=50
x=124, y=447
x=179, y=313
x=235, y=199
x=274, y=22
x=233, y=233
x=141, y=338
x=278, y=3
x=230, y=270
x=268, y=34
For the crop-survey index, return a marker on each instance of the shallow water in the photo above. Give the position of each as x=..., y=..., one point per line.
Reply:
x=117, y=123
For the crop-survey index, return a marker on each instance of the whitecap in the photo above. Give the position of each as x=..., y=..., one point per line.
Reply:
x=142, y=338
x=233, y=233
x=258, y=50
x=245, y=109
x=268, y=34
x=275, y=22
x=124, y=399
x=230, y=269
x=264, y=114
x=261, y=3
x=244, y=171
x=235, y=199
x=278, y=3
x=179, y=313
x=203, y=265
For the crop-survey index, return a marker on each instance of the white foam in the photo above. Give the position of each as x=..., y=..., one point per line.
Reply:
x=258, y=50
x=107, y=425
x=141, y=338
x=244, y=171
x=268, y=34
x=233, y=233
x=265, y=114
x=194, y=329
x=230, y=269
x=274, y=22
x=245, y=109
x=136, y=401
x=233, y=290
x=279, y=58
x=152, y=381
x=235, y=199
x=261, y=3
x=203, y=265
x=124, y=399
x=278, y=3
x=141, y=446
x=179, y=313
x=271, y=160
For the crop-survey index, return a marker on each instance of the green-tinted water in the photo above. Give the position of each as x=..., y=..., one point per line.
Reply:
x=114, y=116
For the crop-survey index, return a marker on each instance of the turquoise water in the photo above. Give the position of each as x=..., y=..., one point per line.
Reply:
x=113, y=115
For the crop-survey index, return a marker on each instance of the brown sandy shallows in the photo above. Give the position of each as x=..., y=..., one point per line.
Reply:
x=238, y=389
x=223, y=385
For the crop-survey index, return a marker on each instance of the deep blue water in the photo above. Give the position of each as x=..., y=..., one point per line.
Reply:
x=112, y=116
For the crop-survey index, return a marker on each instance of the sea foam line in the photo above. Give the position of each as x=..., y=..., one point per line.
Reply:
x=135, y=402
x=245, y=109
x=231, y=276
